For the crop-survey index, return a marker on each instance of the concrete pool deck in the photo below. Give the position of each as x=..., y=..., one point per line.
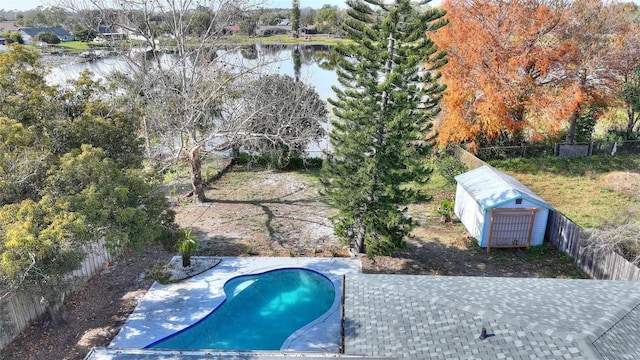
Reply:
x=166, y=309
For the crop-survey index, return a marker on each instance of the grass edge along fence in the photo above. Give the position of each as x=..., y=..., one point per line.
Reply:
x=560, y=149
x=564, y=234
x=19, y=310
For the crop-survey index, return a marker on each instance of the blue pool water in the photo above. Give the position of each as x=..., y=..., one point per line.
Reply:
x=260, y=312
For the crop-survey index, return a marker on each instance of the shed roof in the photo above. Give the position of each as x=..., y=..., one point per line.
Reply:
x=492, y=188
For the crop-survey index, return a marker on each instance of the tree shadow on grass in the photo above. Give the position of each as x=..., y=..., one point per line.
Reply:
x=269, y=208
x=219, y=245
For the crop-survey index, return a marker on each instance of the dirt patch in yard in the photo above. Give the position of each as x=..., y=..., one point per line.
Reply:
x=624, y=182
x=94, y=314
x=265, y=213
x=268, y=213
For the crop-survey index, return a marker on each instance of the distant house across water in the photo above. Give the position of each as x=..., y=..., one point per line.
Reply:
x=29, y=34
x=9, y=26
x=109, y=33
x=309, y=30
x=283, y=27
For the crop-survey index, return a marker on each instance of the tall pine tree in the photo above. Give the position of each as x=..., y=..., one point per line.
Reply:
x=295, y=18
x=381, y=132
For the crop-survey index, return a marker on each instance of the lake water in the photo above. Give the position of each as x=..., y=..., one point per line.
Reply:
x=313, y=70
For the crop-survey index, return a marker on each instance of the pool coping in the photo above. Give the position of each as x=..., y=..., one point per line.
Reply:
x=166, y=309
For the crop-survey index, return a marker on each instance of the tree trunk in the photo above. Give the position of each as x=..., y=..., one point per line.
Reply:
x=571, y=133
x=186, y=260
x=54, y=310
x=145, y=135
x=196, y=175
x=235, y=152
x=632, y=121
x=56, y=315
x=358, y=239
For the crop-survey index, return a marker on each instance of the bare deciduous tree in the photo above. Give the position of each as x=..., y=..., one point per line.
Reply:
x=276, y=116
x=183, y=75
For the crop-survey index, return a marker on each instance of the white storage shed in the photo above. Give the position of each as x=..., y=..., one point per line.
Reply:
x=498, y=210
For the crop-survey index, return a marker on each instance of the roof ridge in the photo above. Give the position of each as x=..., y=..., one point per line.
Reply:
x=610, y=320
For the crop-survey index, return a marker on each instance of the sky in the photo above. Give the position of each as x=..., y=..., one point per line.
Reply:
x=32, y=4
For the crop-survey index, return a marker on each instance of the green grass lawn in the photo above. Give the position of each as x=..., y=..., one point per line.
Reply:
x=577, y=186
x=80, y=46
x=73, y=46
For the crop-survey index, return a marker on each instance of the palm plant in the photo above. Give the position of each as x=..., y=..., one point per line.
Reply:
x=446, y=210
x=187, y=245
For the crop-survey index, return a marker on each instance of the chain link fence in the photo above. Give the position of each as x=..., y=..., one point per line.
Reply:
x=561, y=150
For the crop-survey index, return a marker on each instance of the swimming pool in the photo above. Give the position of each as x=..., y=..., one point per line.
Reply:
x=259, y=313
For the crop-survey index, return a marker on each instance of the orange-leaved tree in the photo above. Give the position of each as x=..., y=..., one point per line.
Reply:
x=500, y=77
x=522, y=70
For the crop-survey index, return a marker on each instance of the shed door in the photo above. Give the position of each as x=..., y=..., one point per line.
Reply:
x=511, y=227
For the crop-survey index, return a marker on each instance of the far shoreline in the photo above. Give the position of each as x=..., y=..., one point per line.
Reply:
x=70, y=53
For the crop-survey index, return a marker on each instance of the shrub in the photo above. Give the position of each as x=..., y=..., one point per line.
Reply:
x=161, y=273
x=297, y=163
x=449, y=167
x=622, y=239
x=294, y=163
x=85, y=35
x=446, y=210
x=48, y=37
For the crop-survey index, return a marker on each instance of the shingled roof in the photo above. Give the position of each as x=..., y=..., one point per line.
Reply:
x=437, y=317
x=9, y=25
x=57, y=31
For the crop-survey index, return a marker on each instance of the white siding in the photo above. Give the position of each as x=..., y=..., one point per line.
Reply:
x=485, y=188
x=469, y=212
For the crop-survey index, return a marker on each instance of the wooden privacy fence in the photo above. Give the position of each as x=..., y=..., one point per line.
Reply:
x=468, y=158
x=19, y=310
x=598, y=263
